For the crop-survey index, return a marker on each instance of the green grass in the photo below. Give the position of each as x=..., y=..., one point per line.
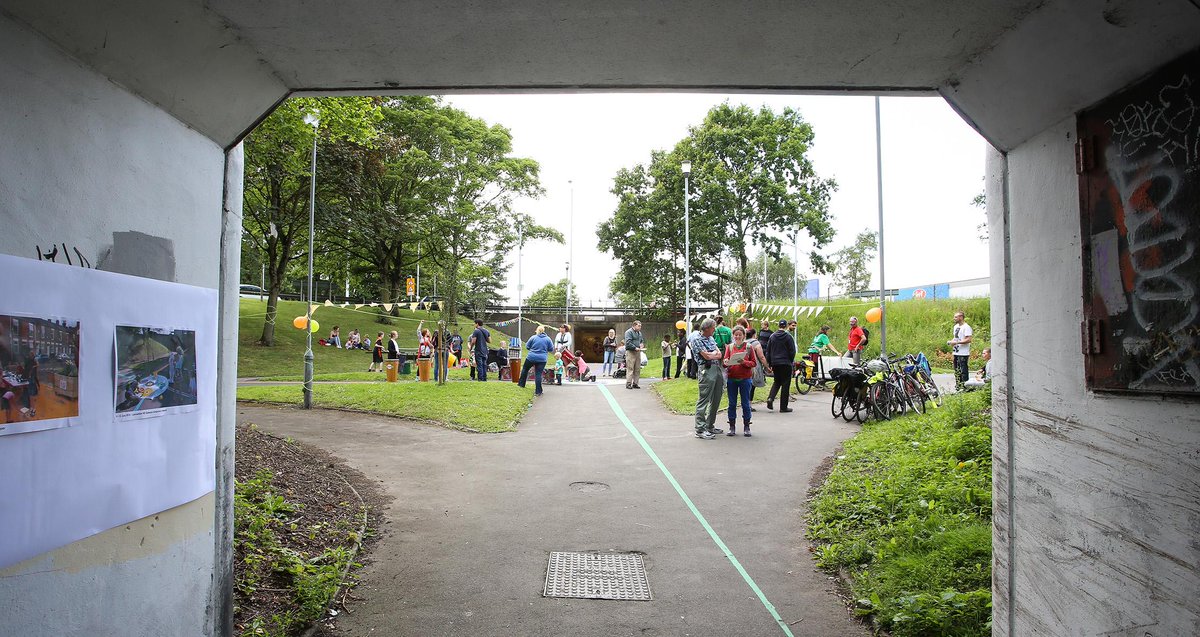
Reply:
x=483, y=407
x=912, y=326
x=679, y=395
x=286, y=356
x=907, y=513
x=377, y=377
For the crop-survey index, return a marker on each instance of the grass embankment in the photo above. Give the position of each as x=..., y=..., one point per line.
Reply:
x=484, y=407
x=906, y=513
x=286, y=356
x=912, y=326
x=679, y=395
x=377, y=377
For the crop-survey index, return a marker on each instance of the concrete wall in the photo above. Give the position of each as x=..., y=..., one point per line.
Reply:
x=1100, y=536
x=90, y=165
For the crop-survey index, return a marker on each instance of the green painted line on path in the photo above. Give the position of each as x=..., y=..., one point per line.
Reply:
x=637, y=435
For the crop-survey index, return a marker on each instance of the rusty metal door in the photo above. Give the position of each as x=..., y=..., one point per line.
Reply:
x=1138, y=158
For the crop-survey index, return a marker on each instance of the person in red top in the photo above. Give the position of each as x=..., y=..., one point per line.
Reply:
x=739, y=363
x=857, y=341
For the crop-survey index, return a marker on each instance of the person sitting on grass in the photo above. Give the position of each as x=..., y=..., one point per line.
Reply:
x=335, y=338
x=983, y=376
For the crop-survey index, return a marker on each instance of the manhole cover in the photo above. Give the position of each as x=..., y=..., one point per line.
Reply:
x=589, y=487
x=597, y=576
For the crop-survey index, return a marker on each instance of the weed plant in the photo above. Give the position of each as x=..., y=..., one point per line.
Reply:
x=260, y=516
x=906, y=515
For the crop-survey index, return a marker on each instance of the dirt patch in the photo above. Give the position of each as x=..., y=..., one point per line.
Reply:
x=822, y=472
x=327, y=492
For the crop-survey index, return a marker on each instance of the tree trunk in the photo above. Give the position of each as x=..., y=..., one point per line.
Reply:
x=268, y=332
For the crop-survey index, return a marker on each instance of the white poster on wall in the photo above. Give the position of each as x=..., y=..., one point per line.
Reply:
x=138, y=391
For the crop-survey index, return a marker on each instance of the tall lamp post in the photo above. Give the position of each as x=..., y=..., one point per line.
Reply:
x=570, y=251
x=312, y=119
x=879, y=178
x=687, y=249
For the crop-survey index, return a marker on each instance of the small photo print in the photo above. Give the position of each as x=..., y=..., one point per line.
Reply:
x=155, y=371
x=39, y=372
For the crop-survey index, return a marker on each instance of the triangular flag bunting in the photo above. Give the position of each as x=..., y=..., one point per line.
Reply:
x=357, y=305
x=345, y=305
x=373, y=304
x=312, y=309
x=328, y=303
x=412, y=306
x=387, y=307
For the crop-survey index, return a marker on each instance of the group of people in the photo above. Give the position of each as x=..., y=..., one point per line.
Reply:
x=23, y=378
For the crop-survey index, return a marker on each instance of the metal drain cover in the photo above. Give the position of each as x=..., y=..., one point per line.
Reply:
x=597, y=576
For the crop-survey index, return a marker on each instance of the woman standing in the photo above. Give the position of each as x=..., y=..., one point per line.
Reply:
x=539, y=347
x=377, y=355
x=739, y=363
x=393, y=348
x=610, y=353
x=564, y=342
x=31, y=390
x=681, y=349
x=666, y=355
x=755, y=344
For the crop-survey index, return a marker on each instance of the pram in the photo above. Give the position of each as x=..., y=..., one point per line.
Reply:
x=619, y=362
x=497, y=362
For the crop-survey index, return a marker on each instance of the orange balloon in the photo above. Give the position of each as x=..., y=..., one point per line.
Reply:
x=680, y=325
x=300, y=322
x=874, y=314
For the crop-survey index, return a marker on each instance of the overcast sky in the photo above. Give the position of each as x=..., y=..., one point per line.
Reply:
x=933, y=166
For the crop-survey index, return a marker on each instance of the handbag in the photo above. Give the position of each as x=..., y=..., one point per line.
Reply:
x=758, y=377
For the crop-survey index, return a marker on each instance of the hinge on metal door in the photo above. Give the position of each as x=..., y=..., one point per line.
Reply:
x=1085, y=155
x=1093, y=340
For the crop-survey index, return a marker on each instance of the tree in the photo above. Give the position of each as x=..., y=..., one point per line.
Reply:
x=751, y=184
x=552, y=295
x=852, y=263
x=277, y=178
x=980, y=201
x=780, y=275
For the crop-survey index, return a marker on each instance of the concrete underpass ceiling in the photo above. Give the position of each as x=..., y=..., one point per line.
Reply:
x=1012, y=67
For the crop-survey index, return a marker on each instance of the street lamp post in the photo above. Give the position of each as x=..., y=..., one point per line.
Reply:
x=314, y=120
x=570, y=251
x=879, y=180
x=687, y=249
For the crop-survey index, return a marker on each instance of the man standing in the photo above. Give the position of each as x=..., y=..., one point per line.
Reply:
x=692, y=370
x=479, y=345
x=961, y=349
x=712, y=383
x=856, y=342
x=722, y=335
x=781, y=356
x=635, y=344
x=764, y=333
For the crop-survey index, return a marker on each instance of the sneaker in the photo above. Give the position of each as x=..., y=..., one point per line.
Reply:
x=704, y=435
x=732, y=430
x=747, y=434
x=770, y=405
x=714, y=431
x=786, y=410
x=753, y=409
x=636, y=387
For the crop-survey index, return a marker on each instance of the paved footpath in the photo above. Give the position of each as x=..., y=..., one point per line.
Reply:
x=475, y=517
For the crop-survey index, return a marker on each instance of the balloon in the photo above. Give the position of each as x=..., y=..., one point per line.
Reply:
x=315, y=327
x=680, y=325
x=299, y=322
x=741, y=307
x=451, y=361
x=874, y=314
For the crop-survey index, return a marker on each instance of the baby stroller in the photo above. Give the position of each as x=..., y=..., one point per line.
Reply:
x=619, y=364
x=498, y=362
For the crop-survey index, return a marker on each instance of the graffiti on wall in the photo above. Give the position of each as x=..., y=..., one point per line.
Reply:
x=1139, y=162
x=53, y=255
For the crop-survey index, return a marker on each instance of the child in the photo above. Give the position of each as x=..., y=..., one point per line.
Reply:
x=377, y=355
x=584, y=371
x=558, y=368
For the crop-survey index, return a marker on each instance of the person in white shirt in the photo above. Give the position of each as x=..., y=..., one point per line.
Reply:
x=983, y=376
x=961, y=349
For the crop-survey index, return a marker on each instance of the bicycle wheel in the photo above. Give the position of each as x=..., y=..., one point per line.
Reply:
x=931, y=389
x=878, y=399
x=857, y=407
x=803, y=385
x=838, y=406
x=916, y=396
x=897, y=398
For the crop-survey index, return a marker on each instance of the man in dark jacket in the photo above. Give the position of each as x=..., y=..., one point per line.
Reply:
x=781, y=353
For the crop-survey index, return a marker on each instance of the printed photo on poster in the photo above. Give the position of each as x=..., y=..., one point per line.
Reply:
x=155, y=371
x=39, y=373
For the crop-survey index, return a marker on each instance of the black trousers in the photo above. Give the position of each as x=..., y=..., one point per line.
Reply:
x=962, y=371
x=691, y=368
x=783, y=378
x=678, y=365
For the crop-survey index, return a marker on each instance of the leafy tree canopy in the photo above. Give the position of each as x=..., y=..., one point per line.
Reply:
x=751, y=184
x=852, y=264
x=552, y=295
